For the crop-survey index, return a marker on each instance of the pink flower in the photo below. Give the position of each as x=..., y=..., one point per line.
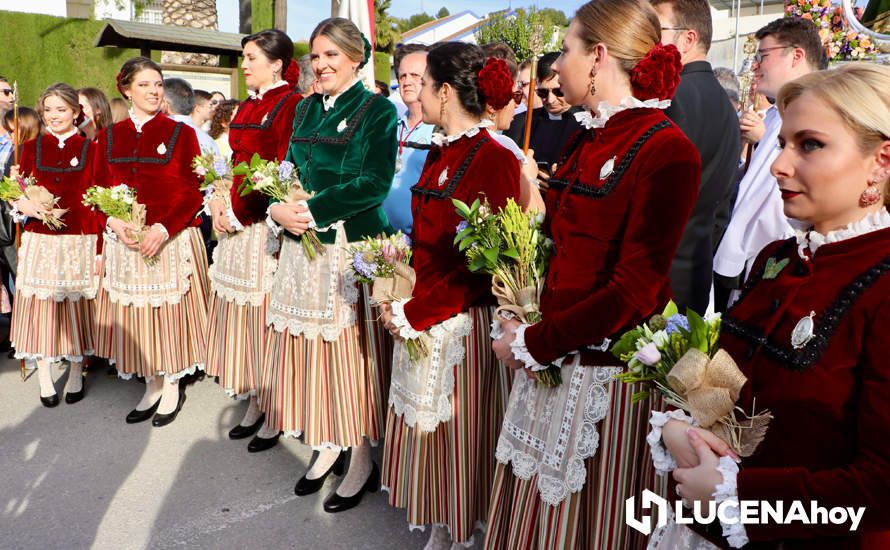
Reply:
x=648, y=355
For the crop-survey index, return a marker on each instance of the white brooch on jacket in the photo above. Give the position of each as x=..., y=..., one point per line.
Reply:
x=162, y=149
x=265, y=118
x=342, y=125
x=74, y=162
x=443, y=177
x=607, y=169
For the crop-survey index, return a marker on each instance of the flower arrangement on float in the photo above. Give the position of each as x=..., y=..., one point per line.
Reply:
x=841, y=43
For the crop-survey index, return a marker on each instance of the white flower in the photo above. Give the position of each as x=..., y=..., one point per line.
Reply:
x=342, y=125
x=74, y=162
x=128, y=200
x=660, y=338
x=265, y=182
x=648, y=354
x=162, y=149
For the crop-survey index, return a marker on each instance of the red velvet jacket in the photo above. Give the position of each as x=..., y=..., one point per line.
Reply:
x=66, y=174
x=260, y=126
x=614, y=236
x=156, y=162
x=445, y=287
x=828, y=440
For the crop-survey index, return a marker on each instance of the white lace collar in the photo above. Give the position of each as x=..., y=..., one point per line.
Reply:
x=605, y=110
x=812, y=240
x=439, y=138
x=140, y=123
x=63, y=137
x=258, y=94
x=328, y=101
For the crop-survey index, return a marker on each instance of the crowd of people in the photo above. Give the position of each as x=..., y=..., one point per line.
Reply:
x=636, y=166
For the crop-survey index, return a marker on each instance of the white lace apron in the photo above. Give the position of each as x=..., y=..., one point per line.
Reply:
x=243, y=265
x=551, y=431
x=130, y=281
x=421, y=391
x=313, y=297
x=672, y=536
x=57, y=267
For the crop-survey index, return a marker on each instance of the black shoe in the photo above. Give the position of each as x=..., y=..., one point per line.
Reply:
x=50, y=401
x=240, y=432
x=137, y=416
x=306, y=486
x=74, y=397
x=335, y=503
x=111, y=371
x=164, y=419
x=258, y=444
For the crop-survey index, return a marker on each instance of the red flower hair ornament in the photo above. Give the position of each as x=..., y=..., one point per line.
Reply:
x=119, y=87
x=292, y=73
x=496, y=83
x=657, y=74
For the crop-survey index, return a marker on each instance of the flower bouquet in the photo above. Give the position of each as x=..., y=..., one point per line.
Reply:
x=120, y=202
x=216, y=172
x=841, y=42
x=279, y=181
x=677, y=356
x=383, y=262
x=509, y=246
x=14, y=188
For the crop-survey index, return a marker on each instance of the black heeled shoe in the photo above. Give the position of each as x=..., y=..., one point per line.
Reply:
x=306, y=486
x=240, y=432
x=74, y=397
x=135, y=416
x=50, y=401
x=163, y=419
x=259, y=444
x=335, y=503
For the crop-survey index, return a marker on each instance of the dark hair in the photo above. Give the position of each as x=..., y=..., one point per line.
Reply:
x=403, y=51
x=276, y=45
x=458, y=64
x=384, y=87
x=30, y=124
x=133, y=66
x=179, y=95
x=800, y=33
x=99, y=105
x=202, y=96
x=545, y=66
x=694, y=15
x=502, y=50
x=222, y=116
x=214, y=92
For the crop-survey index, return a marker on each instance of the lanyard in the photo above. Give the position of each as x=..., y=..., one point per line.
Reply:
x=403, y=140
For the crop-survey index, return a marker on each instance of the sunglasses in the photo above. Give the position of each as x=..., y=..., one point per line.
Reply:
x=543, y=93
x=7, y=91
x=518, y=96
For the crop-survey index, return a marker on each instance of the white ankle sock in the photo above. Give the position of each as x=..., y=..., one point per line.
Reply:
x=45, y=378
x=75, y=378
x=325, y=459
x=152, y=393
x=439, y=539
x=359, y=470
x=169, y=396
x=252, y=415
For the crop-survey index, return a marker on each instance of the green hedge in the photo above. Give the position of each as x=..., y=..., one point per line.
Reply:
x=262, y=16
x=39, y=50
x=382, y=68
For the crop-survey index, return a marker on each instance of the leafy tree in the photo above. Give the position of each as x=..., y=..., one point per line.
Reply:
x=516, y=30
x=415, y=20
x=386, y=27
x=443, y=12
x=554, y=16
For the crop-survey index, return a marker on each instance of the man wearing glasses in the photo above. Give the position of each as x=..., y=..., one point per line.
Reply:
x=6, y=103
x=788, y=49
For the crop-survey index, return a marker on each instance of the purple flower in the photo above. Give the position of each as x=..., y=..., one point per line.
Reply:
x=221, y=167
x=285, y=170
x=648, y=354
x=461, y=226
x=362, y=267
x=407, y=240
x=677, y=322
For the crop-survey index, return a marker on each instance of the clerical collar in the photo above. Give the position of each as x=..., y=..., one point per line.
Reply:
x=606, y=111
x=810, y=240
x=551, y=116
x=441, y=139
x=258, y=94
x=328, y=100
x=140, y=123
x=63, y=137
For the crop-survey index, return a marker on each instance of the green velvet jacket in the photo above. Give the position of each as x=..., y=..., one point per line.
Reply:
x=346, y=156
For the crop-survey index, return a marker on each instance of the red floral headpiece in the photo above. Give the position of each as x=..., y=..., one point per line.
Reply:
x=292, y=73
x=119, y=87
x=657, y=74
x=496, y=83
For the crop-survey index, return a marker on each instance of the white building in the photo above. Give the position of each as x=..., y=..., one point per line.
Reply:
x=733, y=21
x=150, y=12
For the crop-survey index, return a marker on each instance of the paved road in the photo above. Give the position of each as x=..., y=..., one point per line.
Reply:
x=78, y=476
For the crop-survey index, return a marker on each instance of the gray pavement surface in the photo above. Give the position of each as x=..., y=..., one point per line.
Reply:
x=77, y=476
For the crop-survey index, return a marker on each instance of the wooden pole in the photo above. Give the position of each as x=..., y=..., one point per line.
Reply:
x=536, y=44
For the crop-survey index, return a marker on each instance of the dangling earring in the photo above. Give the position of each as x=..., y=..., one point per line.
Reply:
x=441, y=110
x=592, y=82
x=871, y=195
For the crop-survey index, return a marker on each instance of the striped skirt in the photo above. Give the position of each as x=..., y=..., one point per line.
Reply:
x=444, y=477
x=593, y=518
x=47, y=329
x=330, y=392
x=165, y=340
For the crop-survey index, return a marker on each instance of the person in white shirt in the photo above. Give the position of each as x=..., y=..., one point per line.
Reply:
x=788, y=49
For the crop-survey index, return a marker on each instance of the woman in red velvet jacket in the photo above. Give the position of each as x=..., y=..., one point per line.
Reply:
x=616, y=209
x=152, y=314
x=811, y=329
x=56, y=284
x=245, y=259
x=448, y=406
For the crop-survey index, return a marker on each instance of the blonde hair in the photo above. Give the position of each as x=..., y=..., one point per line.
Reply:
x=628, y=28
x=858, y=93
x=344, y=34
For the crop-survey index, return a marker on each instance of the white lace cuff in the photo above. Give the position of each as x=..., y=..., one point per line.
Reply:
x=233, y=220
x=308, y=213
x=272, y=224
x=163, y=230
x=208, y=196
x=406, y=331
x=728, y=490
x=521, y=353
x=661, y=457
x=17, y=216
x=109, y=232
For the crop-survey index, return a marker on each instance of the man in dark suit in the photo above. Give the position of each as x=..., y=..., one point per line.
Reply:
x=703, y=111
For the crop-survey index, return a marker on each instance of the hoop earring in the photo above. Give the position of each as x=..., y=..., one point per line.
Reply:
x=871, y=195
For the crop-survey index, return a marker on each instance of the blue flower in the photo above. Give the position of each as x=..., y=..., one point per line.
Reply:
x=220, y=167
x=461, y=226
x=677, y=322
x=362, y=267
x=407, y=240
x=285, y=170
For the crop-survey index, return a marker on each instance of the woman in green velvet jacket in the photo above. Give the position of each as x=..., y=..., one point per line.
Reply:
x=322, y=378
